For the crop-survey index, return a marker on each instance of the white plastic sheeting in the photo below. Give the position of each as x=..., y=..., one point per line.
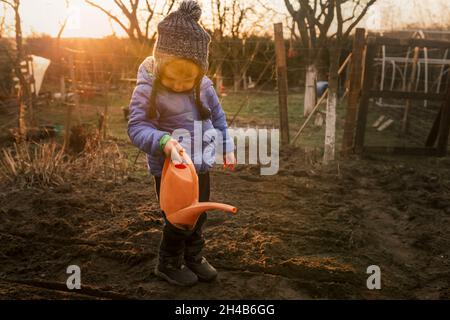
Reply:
x=40, y=66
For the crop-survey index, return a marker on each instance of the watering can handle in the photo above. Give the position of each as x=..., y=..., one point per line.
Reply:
x=180, y=157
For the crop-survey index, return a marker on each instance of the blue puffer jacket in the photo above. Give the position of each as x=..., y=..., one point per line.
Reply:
x=175, y=111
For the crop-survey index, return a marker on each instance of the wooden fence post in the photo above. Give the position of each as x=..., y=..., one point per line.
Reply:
x=70, y=105
x=356, y=69
x=282, y=82
x=32, y=90
x=219, y=81
x=106, y=108
x=365, y=96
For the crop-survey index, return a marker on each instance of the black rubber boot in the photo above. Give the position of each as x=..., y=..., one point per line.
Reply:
x=193, y=253
x=170, y=265
x=175, y=272
x=202, y=268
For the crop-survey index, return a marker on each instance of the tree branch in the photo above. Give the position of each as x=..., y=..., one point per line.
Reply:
x=358, y=19
x=149, y=18
x=11, y=4
x=113, y=17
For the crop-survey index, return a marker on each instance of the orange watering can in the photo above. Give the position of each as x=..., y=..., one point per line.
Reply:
x=179, y=192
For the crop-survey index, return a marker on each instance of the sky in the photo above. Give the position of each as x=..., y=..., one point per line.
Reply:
x=46, y=16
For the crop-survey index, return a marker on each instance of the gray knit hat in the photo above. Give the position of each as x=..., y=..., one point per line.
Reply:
x=180, y=36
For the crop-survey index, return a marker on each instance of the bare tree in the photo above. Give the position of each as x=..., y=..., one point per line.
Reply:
x=3, y=21
x=62, y=27
x=233, y=23
x=357, y=9
x=238, y=14
x=24, y=92
x=58, y=55
x=313, y=19
x=226, y=25
x=129, y=19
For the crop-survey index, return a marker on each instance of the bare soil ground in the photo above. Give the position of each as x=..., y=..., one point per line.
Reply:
x=308, y=232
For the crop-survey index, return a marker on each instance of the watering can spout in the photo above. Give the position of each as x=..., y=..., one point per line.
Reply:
x=188, y=215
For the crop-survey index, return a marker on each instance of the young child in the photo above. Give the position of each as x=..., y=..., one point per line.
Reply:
x=173, y=92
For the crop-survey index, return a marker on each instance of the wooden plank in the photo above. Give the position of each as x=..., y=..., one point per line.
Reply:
x=356, y=70
x=365, y=97
x=385, y=125
x=444, y=126
x=412, y=80
x=401, y=95
x=431, y=61
x=282, y=82
x=313, y=111
x=74, y=51
x=432, y=136
x=379, y=41
x=407, y=151
x=378, y=121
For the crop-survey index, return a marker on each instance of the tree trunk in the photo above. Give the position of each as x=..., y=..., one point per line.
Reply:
x=244, y=81
x=24, y=94
x=330, y=122
x=21, y=113
x=310, y=89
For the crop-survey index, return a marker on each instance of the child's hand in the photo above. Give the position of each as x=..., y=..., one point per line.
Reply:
x=229, y=161
x=171, y=146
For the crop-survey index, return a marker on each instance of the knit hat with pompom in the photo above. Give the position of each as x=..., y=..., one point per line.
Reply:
x=181, y=36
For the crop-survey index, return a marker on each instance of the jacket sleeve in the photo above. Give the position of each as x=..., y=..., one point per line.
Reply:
x=219, y=120
x=143, y=132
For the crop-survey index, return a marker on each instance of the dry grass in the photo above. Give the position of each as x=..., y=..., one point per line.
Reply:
x=30, y=164
x=102, y=160
x=46, y=164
